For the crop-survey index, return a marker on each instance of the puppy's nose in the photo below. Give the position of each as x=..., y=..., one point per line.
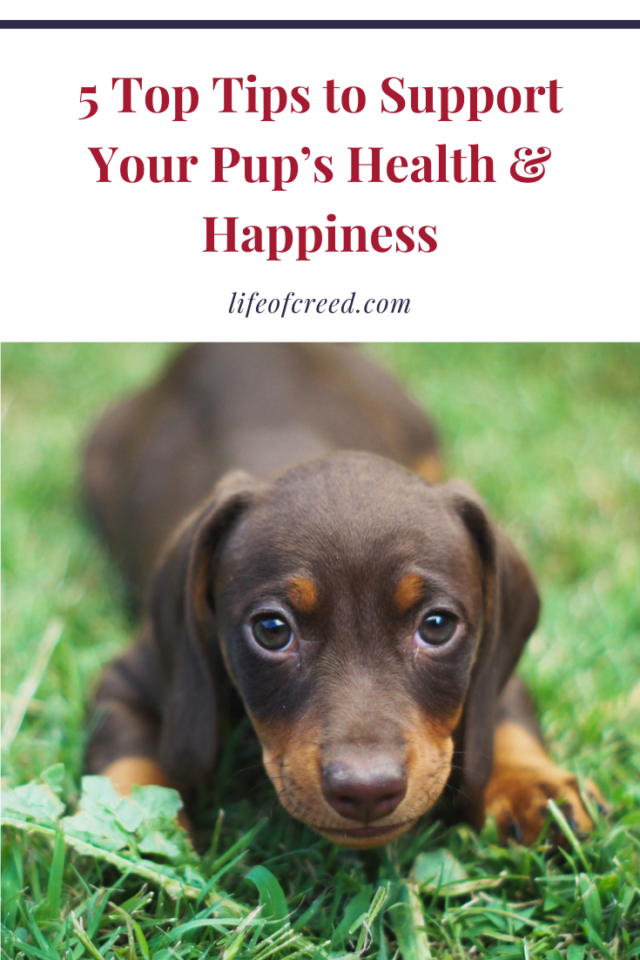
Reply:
x=364, y=791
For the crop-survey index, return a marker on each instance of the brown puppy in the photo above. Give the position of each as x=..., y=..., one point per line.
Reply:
x=370, y=620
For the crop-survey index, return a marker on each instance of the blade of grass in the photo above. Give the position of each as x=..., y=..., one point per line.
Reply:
x=239, y=845
x=407, y=921
x=135, y=928
x=84, y=939
x=29, y=686
x=54, y=885
x=35, y=930
x=561, y=820
x=271, y=895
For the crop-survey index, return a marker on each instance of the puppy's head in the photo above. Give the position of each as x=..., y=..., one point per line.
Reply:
x=363, y=617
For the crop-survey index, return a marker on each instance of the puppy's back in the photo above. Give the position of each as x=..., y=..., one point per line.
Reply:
x=218, y=406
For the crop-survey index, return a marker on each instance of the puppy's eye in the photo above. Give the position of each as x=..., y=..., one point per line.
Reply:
x=272, y=633
x=436, y=629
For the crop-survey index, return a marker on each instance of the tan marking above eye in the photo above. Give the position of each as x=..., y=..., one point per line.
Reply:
x=303, y=594
x=409, y=591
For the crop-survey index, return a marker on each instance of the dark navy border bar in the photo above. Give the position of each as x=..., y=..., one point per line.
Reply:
x=320, y=24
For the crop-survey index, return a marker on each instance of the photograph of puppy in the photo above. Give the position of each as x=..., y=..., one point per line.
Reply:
x=277, y=514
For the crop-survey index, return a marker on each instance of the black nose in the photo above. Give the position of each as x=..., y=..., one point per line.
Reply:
x=364, y=791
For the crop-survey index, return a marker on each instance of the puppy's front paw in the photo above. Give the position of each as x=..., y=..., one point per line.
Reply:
x=523, y=780
x=129, y=772
x=518, y=800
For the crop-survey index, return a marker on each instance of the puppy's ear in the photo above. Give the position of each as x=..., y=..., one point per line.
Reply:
x=184, y=629
x=511, y=609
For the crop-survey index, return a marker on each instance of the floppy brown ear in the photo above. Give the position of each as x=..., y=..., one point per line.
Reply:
x=183, y=623
x=511, y=609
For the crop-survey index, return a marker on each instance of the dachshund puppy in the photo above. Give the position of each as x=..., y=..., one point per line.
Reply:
x=272, y=509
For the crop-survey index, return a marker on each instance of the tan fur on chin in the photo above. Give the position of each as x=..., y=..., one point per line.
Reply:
x=293, y=763
x=366, y=843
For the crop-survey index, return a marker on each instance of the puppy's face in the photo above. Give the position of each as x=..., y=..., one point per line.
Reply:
x=349, y=605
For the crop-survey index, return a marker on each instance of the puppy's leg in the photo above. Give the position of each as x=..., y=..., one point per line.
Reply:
x=126, y=717
x=524, y=777
x=126, y=722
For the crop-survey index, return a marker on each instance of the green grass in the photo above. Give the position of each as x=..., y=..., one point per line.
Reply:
x=550, y=436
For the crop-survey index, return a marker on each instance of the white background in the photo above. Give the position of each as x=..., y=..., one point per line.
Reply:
x=552, y=260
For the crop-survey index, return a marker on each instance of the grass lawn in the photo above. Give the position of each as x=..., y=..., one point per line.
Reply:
x=550, y=436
